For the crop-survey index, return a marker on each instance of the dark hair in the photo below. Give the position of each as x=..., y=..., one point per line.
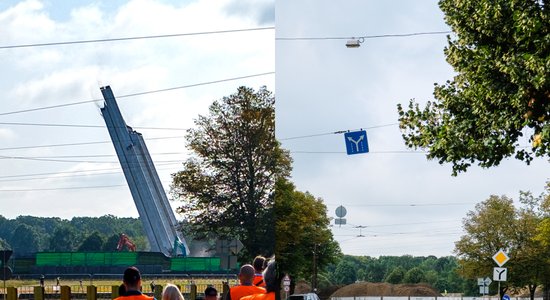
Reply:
x=210, y=291
x=258, y=263
x=270, y=276
x=122, y=290
x=131, y=276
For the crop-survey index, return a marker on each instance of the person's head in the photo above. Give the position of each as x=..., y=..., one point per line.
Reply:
x=171, y=292
x=132, y=279
x=270, y=276
x=258, y=263
x=246, y=274
x=210, y=293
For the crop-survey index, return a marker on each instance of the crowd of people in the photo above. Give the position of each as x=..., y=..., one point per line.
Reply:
x=257, y=281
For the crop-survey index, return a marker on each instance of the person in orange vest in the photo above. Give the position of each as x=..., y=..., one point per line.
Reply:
x=258, y=265
x=270, y=278
x=132, y=282
x=246, y=278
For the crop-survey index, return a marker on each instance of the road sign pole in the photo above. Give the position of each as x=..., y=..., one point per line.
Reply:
x=499, y=295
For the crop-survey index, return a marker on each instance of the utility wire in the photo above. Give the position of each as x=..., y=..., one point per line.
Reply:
x=84, y=126
x=56, y=175
x=413, y=204
x=364, y=37
x=72, y=172
x=82, y=143
x=74, y=161
x=136, y=94
x=62, y=188
x=133, y=38
x=336, y=132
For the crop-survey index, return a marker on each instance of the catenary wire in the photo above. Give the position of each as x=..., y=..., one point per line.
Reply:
x=336, y=132
x=136, y=94
x=81, y=143
x=364, y=36
x=83, y=126
x=133, y=38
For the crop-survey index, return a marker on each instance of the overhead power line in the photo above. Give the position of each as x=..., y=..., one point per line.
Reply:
x=62, y=188
x=336, y=132
x=83, y=126
x=364, y=37
x=118, y=39
x=81, y=144
x=136, y=94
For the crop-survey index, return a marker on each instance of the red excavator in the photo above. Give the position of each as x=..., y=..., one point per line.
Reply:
x=124, y=240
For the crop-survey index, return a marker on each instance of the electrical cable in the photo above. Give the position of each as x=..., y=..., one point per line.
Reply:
x=364, y=37
x=135, y=94
x=81, y=143
x=83, y=126
x=336, y=132
x=63, y=188
x=133, y=38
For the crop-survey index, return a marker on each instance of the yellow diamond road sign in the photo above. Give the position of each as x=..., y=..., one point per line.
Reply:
x=500, y=258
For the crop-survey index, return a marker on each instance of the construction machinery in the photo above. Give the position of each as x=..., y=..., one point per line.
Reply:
x=124, y=240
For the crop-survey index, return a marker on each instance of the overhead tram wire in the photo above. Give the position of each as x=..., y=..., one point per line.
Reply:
x=363, y=37
x=77, y=171
x=136, y=94
x=118, y=39
x=81, y=143
x=336, y=132
x=84, y=126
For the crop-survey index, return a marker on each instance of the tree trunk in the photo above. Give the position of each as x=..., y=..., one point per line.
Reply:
x=532, y=289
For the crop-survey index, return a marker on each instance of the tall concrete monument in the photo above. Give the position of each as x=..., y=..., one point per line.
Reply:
x=152, y=204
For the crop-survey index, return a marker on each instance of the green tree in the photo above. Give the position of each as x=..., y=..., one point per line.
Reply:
x=396, y=275
x=500, y=53
x=227, y=187
x=303, y=237
x=94, y=242
x=25, y=239
x=486, y=234
x=345, y=272
x=414, y=275
x=111, y=243
x=64, y=238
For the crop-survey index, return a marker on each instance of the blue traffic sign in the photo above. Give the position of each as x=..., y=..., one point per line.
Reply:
x=505, y=297
x=356, y=142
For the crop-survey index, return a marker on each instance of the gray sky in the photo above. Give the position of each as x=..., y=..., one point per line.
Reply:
x=409, y=205
x=86, y=180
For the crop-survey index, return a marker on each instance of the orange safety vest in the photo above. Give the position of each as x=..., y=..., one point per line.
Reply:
x=135, y=295
x=268, y=296
x=259, y=280
x=239, y=291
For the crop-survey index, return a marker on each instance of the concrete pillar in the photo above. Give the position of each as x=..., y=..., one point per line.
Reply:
x=193, y=291
x=114, y=291
x=12, y=293
x=91, y=292
x=65, y=292
x=38, y=293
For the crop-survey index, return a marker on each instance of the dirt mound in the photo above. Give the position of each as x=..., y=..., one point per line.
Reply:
x=385, y=289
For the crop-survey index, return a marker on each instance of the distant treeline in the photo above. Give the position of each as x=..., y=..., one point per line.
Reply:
x=441, y=273
x=28, y=234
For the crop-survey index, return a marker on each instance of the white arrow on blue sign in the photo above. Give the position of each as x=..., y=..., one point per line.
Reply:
x=356, y=142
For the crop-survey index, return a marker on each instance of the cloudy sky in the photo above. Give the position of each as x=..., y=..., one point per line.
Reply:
x=40, y=174
x=409, y=205
x=60, y=162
